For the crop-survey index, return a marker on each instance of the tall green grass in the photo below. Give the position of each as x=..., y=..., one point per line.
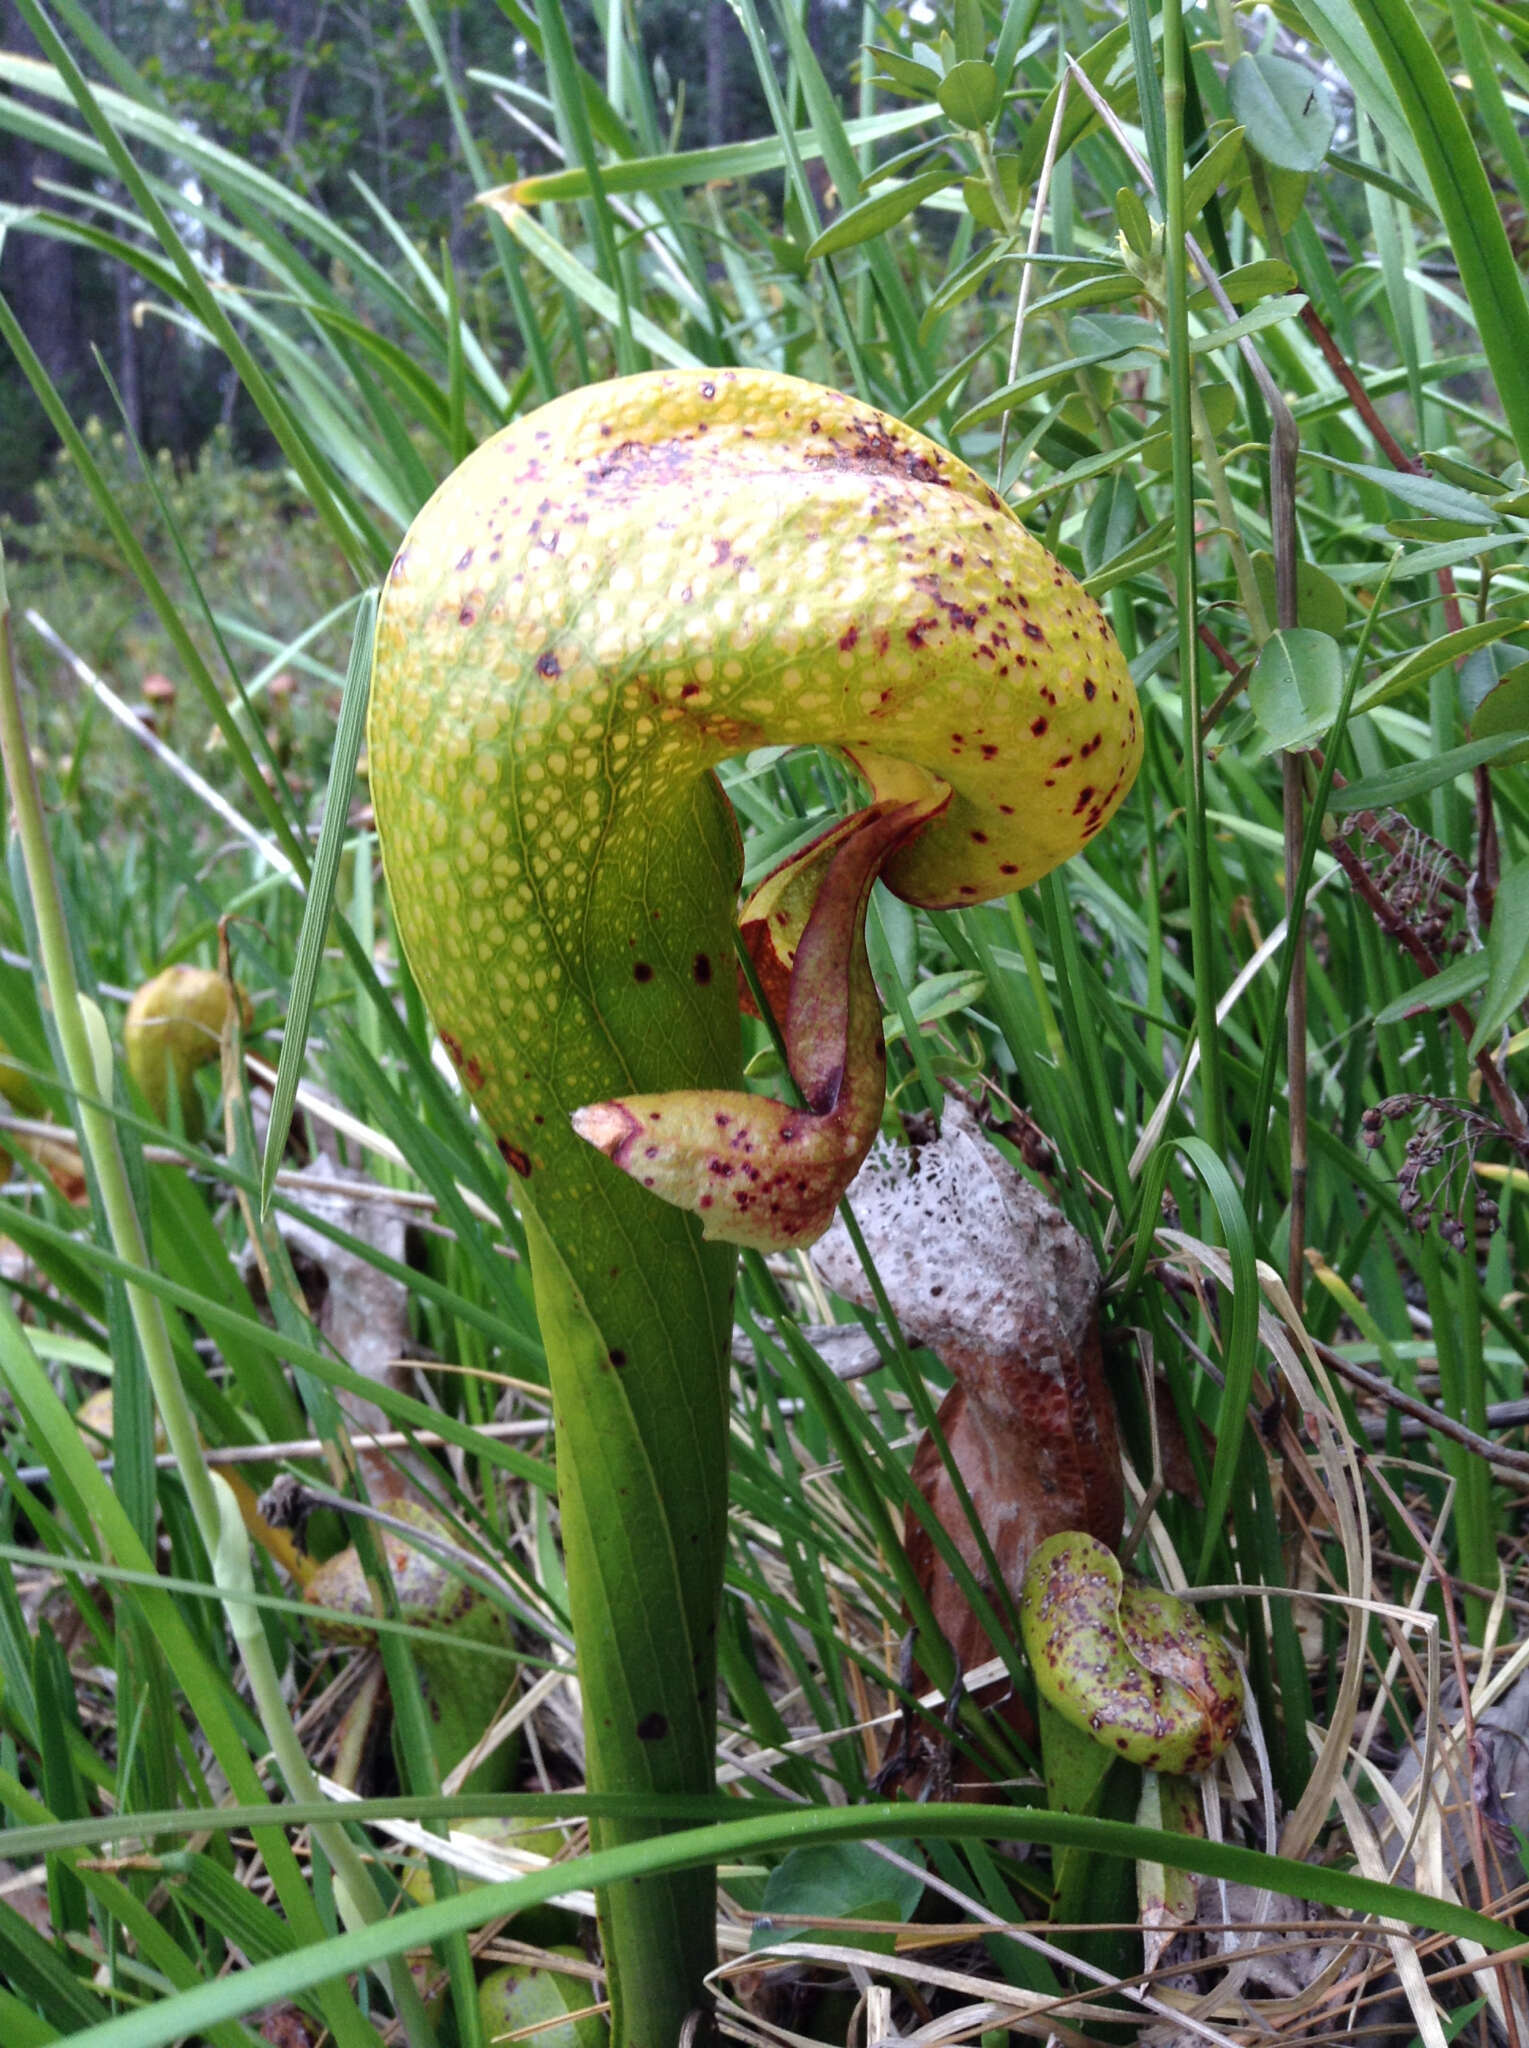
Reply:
x=1137, y=1006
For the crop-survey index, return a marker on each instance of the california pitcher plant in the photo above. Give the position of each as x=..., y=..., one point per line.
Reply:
x=605, y=601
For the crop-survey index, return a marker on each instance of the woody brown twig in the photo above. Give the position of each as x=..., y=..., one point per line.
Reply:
x=1484, y=879
x=1397, y=927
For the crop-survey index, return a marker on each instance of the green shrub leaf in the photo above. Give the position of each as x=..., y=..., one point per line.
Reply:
x=1206, y=177
x=1507, y=956
x=903, y=74
x=837, y=1881
x=1319, y=602
x=970, y=94
x=1461, y=978
x=971, y=29
x=1111, y=521
x=1296, y=687
x=1425, y=494
x=981, y=204
x=1428, y=659
x=1417, y=778
x=1269, y=314
x=1135, y=221
x=1249, y=283
x=1284, y=108
x=882, y=210
x=1135, y=343
x=1505, y=709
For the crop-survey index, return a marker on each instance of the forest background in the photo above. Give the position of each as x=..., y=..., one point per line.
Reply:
x=323, y=95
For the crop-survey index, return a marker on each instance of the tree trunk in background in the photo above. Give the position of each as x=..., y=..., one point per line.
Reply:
x=461, y=184
x=297, y=91
x=719, y=28
x=125, y=291
x=129, y=386
x=382, y=131
x=38, y=271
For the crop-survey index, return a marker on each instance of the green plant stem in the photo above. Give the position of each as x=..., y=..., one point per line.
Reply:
x=87, y=1059
x=1024, y=938
x=1212, y=1121
x=1298, y=887
x=1478, y=1539
x=865, y=156
x=1011, y=221
x=1226, y=513
x=764, y=63
x=1472, y=1478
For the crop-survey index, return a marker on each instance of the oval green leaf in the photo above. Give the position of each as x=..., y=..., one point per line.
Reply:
x=904, y=74
x=1269, y=313
x=1507, y=957
x=1249, y=283
x=971, y=29
x=1205, y=177
x=1296, y=687
x=873, y=216
x=837, y=1881
x=1481, y=672
x=1319, y=602
x=1110, y=523
x=1426, y=660
x=1030, y=385
x=1452, y=984
x=1434, y=529
x=1284, y=108
x=1135, y=221
x=1425, y=494
x=1505, y=709
x=1416, y=778
x=1134, y=343
x=970, y=94
x=980, y=203
x=1455, y=470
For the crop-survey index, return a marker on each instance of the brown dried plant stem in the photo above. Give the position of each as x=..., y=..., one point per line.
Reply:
x=1484, y=880
x=1502, y=1456
x=1447, y=1589
x=1503, y=1099
x=1284, y=445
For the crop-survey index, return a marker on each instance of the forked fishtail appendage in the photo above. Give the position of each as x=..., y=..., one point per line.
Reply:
x=756, y=1171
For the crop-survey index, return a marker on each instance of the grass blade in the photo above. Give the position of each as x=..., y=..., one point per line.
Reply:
x=231, y=1997
x=320, y=897
x=1466, y=203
